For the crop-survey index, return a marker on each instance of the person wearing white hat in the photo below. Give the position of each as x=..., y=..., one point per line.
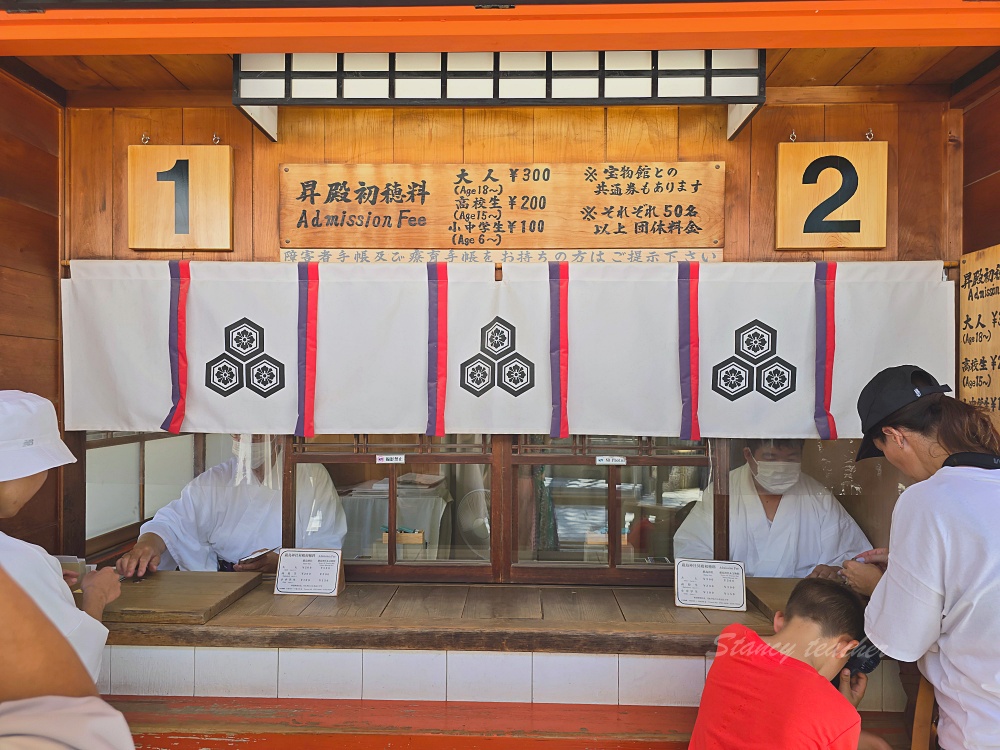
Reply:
x=29, y=446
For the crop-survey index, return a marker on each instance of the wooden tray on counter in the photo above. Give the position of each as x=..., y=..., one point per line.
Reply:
x=179, y=597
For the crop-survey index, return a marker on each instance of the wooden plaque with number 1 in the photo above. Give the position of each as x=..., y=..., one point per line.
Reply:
x=180, y=197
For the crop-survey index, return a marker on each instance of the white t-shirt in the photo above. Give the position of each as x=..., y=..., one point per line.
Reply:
x=56, y=722
x=939, y=600
x=40, y=575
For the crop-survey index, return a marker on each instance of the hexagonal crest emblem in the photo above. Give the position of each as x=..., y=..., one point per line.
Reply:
x=756, y=341
x=497, y=339
x=476, y=375
x=732, y=378
x=265, y=375
x=776, y=379
x=516, y=375
x=224, y=375
x=244, y=339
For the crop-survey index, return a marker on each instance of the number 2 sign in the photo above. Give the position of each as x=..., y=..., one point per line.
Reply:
x=832, y=195
x=180, y=197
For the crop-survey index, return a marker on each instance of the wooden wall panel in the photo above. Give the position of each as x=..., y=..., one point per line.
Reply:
x=301, y=139
x=359, y=136
x=164, y=127
x=31, y=175
x=28, y=238
x=90, y=184
x=981, y=179
x=569, y=134
x=702, y=137
x=769, y=127
x=981, y=214
x=499, y=134
x=31, y=134
x=422, y=135
x=646, y=133
x=922, y=182
x=850, y=122
x=30, y=365
x=982, y=146
x=235, y=130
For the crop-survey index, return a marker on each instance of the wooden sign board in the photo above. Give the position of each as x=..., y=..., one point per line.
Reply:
x=180, y=197
x=978, y=320
x=832, y=195
x=503, y=207
x=486, y=255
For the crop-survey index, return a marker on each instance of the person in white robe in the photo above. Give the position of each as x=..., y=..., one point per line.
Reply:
x=227, y=514
x=29, y=446
x=782, y=523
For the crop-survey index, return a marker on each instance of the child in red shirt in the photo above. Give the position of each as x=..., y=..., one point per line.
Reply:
x=776, y=691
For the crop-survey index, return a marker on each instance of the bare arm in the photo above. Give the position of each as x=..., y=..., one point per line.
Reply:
x=35, y=659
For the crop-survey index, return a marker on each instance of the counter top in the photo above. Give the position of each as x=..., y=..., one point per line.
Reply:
x=578, y=619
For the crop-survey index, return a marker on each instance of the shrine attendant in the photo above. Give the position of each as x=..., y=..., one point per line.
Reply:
x=229, y=513
x=938, y=601
x=782, y=523
x=29, y=446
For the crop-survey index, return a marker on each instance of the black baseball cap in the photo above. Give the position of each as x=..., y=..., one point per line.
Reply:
x=886, y=393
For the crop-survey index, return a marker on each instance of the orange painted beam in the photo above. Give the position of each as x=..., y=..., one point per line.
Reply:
x=825, y=23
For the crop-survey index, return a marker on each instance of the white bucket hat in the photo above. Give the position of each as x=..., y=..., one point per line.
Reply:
x=29, y=436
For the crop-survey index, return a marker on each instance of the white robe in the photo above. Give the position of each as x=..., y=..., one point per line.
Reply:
x=40, y=575
x=810, y=528
x=215, y=519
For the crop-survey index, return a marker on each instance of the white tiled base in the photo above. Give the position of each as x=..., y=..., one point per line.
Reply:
x=152, y=670
x=489, y=676
x=575, y=678
x=319, y=673
x=236, y=672
x=479, y=676
x=389, y=675
x=660, y=680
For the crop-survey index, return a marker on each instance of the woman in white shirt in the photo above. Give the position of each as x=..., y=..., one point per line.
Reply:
x=938, y=601
x=29, y=446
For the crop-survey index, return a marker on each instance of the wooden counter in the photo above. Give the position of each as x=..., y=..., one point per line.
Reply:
x=455, y=617
x=174, y=597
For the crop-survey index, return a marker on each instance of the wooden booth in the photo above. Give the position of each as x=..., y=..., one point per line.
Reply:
x=481, y=565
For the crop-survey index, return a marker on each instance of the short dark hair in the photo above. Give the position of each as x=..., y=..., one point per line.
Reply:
x=837, y=609
x=754, y=443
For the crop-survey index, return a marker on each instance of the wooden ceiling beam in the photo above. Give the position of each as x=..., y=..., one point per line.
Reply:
x=794, y=24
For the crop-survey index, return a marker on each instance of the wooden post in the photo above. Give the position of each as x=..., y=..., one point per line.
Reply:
x=288, y=515
x=73, y=512
x=720, y=472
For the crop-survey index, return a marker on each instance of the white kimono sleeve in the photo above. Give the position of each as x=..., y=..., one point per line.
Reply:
x=322, y=523
x=184, y=526
x=904, y=615
x=842, y=538
x=695, y=539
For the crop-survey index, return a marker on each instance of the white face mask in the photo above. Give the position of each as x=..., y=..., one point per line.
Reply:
x=777, y=476
x=258, y=453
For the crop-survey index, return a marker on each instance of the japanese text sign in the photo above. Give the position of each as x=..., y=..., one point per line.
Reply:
x=978, y=320
x=503, y=206
x=180, y=197
x=832, y=195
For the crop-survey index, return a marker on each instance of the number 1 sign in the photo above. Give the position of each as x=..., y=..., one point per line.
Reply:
x=832, y=195
x=180, y=197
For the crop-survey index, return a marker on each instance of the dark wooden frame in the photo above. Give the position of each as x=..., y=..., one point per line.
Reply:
x=504, y=456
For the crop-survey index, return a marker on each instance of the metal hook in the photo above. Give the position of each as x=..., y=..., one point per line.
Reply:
x=215, y=139
x=869, y=135
x=145, y=138
x=792, y=136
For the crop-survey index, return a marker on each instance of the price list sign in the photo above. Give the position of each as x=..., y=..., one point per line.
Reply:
x=313, y=572
x=710, y=584
x=978, y=323
x=502, y=207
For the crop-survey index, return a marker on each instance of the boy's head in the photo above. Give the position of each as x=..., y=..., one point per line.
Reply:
x=826, y=619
